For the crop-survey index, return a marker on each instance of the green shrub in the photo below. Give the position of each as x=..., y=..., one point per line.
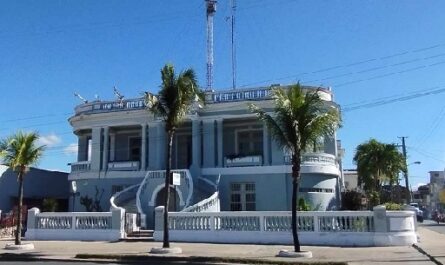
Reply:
x=49, y=205
x=351, y=200
x=391, y=206
x=303, y=205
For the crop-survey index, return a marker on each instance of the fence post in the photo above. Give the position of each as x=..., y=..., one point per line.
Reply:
x=380, y=220
x=31, y=225
x=159, y=224
x=316, y=222
x=117, y=223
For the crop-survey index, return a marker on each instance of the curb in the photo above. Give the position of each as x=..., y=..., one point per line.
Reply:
x=197, y=259
x=432, y=258
x=106, y=259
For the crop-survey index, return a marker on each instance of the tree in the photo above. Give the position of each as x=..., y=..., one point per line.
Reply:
x=378, y=163
x=177, y=97
x=18, y=152
x=299, y=119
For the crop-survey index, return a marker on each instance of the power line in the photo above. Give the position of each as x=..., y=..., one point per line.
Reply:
x=346, y=65
x=389, y=100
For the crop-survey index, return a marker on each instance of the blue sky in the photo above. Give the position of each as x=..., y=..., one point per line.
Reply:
x=365, y=50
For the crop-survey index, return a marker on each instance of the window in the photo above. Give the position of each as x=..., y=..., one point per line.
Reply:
x=242, y=197
x=88, y=149
x=135, y=149
x=250, y=142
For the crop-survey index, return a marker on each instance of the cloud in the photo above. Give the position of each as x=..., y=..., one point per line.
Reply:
x=50, y=140
x=71, y=149
x=416, y=186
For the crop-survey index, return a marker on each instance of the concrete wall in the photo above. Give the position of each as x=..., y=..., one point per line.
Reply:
x=38, y=184
x=274, y=191
x=87, y=187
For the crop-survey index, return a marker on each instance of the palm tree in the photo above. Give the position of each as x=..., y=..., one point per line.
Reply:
x=298, y=120
x=378, y=163
x=176, y=99
x=18, y=152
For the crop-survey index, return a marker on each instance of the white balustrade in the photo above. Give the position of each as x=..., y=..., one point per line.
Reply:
x=211, y=204
x=314, y=158
x=244, y=161
x=75, y=226
x=123, y=165
x=81, y=166
x=341, y=228
x=153, y=177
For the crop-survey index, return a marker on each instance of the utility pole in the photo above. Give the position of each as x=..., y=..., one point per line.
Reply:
x=405, y=172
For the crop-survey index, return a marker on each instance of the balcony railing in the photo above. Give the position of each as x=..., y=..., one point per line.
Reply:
x=123, y=165
x=81, y=166
x=244, y=161
x=314, y=158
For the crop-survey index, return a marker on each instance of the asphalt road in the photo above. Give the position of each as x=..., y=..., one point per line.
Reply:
x=83, y=263
x=432, y=225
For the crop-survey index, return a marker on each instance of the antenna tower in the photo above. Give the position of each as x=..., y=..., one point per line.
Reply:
x=210, y=11
x=233, y=4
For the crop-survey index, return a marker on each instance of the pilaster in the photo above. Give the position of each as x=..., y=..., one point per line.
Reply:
x=106, y=131
x=144, y=146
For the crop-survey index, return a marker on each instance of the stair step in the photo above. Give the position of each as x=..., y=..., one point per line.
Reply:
x=141, y=234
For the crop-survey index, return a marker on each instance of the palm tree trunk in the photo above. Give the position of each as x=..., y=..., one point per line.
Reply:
x=18, y=232
x=166, y=241
x=295, y=177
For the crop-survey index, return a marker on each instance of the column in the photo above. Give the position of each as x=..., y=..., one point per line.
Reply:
x=96, y=148
x=82, y=148
x=208, y=131
x=144, y=147
x=106, y=147
x=266, y=152
x=196, y=143
x=112, y=147
x=162, y=145
x=219, y=140
x=153, y=144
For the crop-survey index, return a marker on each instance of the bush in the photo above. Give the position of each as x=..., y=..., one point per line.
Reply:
x=49, y=205
x=352, y=200
x=303, y=205
x=374, y=198
x=391, y=206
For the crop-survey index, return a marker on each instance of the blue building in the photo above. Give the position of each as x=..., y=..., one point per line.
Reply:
x=222, y=146
x=38, y=184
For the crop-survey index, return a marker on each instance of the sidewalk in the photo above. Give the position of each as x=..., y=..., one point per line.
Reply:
x=67, y=250
x=432, y=243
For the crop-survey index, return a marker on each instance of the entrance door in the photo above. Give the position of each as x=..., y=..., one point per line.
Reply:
x=184, y=151
x=173, y=205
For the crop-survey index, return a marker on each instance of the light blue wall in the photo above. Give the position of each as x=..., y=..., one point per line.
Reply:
x=209, y=144
x=274, y=191
x=87, y=187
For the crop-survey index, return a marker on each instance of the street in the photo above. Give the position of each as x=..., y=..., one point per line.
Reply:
x=82, y=263
x=433, y=226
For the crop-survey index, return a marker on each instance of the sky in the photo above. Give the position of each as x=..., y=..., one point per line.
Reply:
x=384, y=60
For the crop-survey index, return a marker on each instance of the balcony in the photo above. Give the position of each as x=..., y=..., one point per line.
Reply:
x=123, y=165
x=244, y=161
x=314, y=158
x=81, y=166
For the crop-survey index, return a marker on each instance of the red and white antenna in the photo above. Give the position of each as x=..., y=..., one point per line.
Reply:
x=210, y=11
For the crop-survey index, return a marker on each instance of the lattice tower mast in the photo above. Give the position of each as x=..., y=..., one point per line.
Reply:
x=233, y=4
x=210, y=11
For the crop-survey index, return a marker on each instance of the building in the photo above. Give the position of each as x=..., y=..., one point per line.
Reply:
x=38, y=184
x=222, y=147
x=350, y=180
x=437, y=186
